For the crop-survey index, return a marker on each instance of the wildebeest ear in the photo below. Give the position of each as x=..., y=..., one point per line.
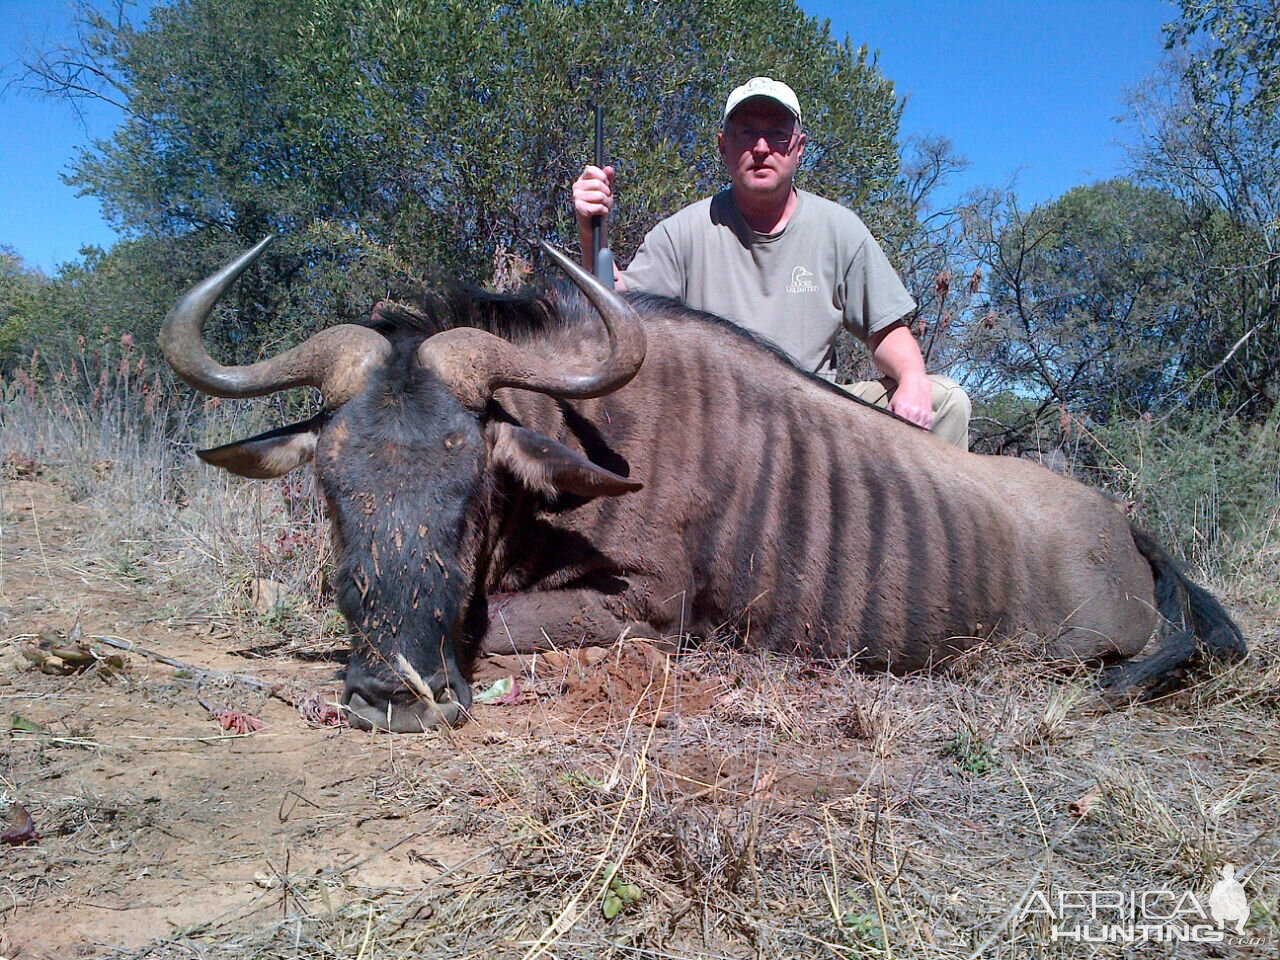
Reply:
x=268, y=455
x=548, y=467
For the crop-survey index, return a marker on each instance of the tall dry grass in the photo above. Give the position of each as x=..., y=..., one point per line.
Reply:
x=115, y=430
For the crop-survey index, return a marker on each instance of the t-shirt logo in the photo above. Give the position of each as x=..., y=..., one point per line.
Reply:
x=802, y=281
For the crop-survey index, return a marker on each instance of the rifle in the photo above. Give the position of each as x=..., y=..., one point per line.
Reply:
x=601, y=258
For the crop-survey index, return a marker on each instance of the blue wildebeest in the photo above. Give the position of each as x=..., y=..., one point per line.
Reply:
x=482, y=459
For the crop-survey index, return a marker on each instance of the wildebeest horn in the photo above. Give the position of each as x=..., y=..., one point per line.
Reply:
x=336, y=359
x=473, y=363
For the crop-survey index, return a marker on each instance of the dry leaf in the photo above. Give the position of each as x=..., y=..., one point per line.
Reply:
x=21, y=829
x=763, y=788
x=59, y=655
x=1083, y=805
x=504, y=690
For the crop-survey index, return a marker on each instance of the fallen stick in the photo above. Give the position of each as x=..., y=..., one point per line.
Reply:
x=129, y=646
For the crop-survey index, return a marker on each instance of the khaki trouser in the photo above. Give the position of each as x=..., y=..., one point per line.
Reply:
x=951, y=407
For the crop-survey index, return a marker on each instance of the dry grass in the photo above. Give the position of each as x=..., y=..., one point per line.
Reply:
x=761, y=807
x=122, y=443
x=820, y=840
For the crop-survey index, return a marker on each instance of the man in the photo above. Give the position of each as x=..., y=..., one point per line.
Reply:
x=784, y=263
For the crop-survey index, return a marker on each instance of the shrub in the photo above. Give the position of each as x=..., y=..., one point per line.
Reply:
x=1208, y=488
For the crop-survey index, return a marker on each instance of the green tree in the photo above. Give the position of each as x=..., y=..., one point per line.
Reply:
x=20, y=290
x=389, y=139
x=1085, y=305
x=471, y=120
x=1238, y=41
x=1208, y=127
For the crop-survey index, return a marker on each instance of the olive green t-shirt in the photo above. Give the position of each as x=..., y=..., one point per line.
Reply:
x=794, y=287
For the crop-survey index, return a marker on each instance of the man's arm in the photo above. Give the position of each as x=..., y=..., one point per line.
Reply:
x=897, y=355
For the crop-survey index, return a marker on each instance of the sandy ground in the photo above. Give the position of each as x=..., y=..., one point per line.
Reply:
x=154, y=821
x=159, y=830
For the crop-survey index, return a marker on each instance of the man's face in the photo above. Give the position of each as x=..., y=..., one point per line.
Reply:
x=761, y=147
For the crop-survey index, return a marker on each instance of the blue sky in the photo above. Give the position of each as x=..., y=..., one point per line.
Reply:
x=1021, y=87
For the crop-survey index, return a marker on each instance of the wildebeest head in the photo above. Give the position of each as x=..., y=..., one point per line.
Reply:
x=404, y=452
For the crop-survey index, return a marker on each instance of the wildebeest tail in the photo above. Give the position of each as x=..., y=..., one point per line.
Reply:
x=1195, y=622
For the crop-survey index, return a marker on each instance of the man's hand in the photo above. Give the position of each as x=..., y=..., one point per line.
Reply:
x=593, y=195
x=897, y=355
x=911, y=401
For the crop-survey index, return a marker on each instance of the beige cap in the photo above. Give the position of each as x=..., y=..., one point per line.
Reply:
x=765, y=87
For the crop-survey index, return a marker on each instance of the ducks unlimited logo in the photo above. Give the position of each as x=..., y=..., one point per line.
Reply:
x=802, y=281
x=1137, y=916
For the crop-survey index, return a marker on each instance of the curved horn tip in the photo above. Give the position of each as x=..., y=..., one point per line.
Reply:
x=246, y=259
x=256, y=250
x=559, y=256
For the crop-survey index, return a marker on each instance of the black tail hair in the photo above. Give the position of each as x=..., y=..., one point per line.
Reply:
x=1195, y=622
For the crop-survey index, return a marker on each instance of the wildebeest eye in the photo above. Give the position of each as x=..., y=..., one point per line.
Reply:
x=454, y=440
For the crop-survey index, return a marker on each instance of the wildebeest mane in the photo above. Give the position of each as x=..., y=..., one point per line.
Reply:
x=426, y=311
x=525, y=314
x=674, y=309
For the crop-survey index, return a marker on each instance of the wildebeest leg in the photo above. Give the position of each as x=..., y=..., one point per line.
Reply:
x=546, y=619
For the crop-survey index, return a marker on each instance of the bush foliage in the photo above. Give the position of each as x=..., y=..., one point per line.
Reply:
x=1206, y=487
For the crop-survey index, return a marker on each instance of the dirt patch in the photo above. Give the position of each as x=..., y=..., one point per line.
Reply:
x=754, y=805
x=595, y=689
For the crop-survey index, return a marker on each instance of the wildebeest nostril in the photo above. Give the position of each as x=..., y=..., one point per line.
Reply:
x=447, y=686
